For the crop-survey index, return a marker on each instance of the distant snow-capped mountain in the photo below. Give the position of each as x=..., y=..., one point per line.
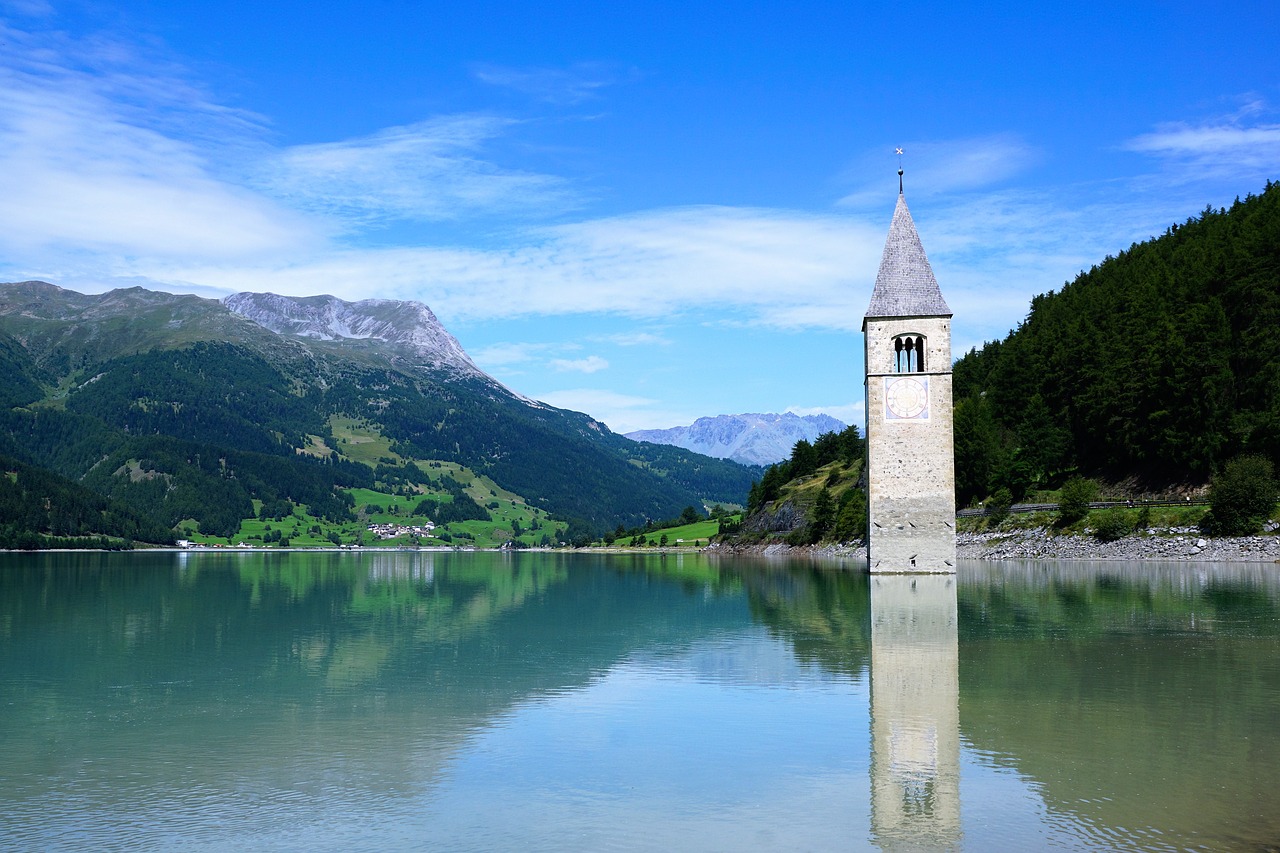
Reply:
x=752, y=439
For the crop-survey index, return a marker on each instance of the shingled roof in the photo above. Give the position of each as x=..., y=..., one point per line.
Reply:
x=905, y=286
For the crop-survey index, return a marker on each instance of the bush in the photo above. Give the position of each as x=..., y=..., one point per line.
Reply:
x=1073, y=502
x=800, y=536
x=1111, y=526
x=1241, y=497
x=998, y=506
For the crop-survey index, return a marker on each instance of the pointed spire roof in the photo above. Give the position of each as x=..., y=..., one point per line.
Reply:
x=905, y=286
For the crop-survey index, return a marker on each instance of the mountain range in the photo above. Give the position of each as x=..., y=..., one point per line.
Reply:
x=752, y=439
x=189, y=408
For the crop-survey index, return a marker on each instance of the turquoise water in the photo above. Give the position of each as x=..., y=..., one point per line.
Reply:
x=483, y=701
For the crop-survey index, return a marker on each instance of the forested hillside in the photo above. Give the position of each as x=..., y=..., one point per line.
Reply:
x=39, y=509
x=1160, y=364
x=815, y=495
x=189, y=414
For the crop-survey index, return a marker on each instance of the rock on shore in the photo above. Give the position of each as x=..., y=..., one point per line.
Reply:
x=1178, y=544
x=1175, y=544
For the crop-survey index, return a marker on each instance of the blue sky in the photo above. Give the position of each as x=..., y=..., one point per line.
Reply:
x=649, y=213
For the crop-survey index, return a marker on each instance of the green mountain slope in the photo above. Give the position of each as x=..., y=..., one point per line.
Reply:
x=1159, y=363
x=39, y=509
x=19, y=376
x=99, y=374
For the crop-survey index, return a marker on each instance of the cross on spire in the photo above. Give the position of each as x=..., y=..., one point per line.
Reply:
x=898, y=151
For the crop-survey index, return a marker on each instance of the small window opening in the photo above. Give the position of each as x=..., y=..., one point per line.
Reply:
x=908, y=354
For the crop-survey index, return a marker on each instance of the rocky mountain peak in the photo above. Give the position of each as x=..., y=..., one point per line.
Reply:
x=752, y=438
x=409, y=326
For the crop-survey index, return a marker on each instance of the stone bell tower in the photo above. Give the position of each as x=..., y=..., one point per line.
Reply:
x=910, y=444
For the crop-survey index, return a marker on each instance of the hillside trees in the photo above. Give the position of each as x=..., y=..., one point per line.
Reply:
x=39, y=508
x=841, y=518
x=1162, y=363
x=208, y=393
x=845, y=446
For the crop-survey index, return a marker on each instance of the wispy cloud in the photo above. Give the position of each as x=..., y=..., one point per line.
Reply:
x=507, y=354
x=91, y=160
x=590, y=364
x=29, y=8
x=582, y=81
x=634, y=339
x=622, y=412
x=513, y=358
x=780, y=268
x=940, y=167
x=1223, y=146
x=431, y=170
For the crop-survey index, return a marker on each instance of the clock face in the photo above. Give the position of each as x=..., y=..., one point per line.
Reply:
x=906, y=398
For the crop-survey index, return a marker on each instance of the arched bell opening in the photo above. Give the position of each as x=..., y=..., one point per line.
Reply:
x=908, y=354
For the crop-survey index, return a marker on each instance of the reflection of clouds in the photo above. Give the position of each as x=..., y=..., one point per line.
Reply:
x=733, y=660
x=915, y=718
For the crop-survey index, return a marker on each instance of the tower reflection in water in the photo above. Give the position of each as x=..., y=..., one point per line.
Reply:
x=915, y=717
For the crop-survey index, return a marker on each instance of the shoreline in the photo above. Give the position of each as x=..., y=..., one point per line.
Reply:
x=1176, y=545
x=1038, y=543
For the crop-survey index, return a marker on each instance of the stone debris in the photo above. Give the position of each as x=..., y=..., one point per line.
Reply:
x=1173, y=544
x=1170, y=544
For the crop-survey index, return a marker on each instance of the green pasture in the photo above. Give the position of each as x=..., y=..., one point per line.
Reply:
x=300, y=528
x=360, y=441
x=683, y=536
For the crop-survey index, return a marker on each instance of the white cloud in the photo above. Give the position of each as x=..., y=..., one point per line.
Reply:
x=634, y=339
x=940, y=168
x=783, y=268
x=90, y=162
x=1196, y=152
x=431, y=170
x=29, y=8
x=590, y=364
x=506, y=354
x=563, y=86
x=622, y=412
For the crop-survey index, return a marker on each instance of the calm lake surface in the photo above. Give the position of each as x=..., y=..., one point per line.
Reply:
x=483, y=701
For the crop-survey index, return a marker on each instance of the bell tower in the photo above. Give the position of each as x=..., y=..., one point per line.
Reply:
x=910, y=443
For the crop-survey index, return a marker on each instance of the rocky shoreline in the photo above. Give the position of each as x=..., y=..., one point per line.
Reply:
x=1171, y=545
x=1165, y=545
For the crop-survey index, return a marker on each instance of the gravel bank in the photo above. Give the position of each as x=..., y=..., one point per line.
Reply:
x=1175, y=544
x=1178, y=544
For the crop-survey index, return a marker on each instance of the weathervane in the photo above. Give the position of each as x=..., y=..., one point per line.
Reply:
x=898, y=151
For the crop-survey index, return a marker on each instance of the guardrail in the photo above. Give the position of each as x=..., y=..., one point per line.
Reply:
x=981, y=511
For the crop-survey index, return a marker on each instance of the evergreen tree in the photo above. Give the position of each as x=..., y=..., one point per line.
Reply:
x=823, y=515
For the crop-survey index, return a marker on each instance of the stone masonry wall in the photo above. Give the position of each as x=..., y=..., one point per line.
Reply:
x=910, y=463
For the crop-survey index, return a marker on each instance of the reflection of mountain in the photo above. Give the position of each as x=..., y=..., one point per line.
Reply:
x=1146, y=698
x=1130, y=702
x=273, y=654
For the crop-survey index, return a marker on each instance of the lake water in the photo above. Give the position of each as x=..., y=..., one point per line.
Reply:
x=483, y=701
